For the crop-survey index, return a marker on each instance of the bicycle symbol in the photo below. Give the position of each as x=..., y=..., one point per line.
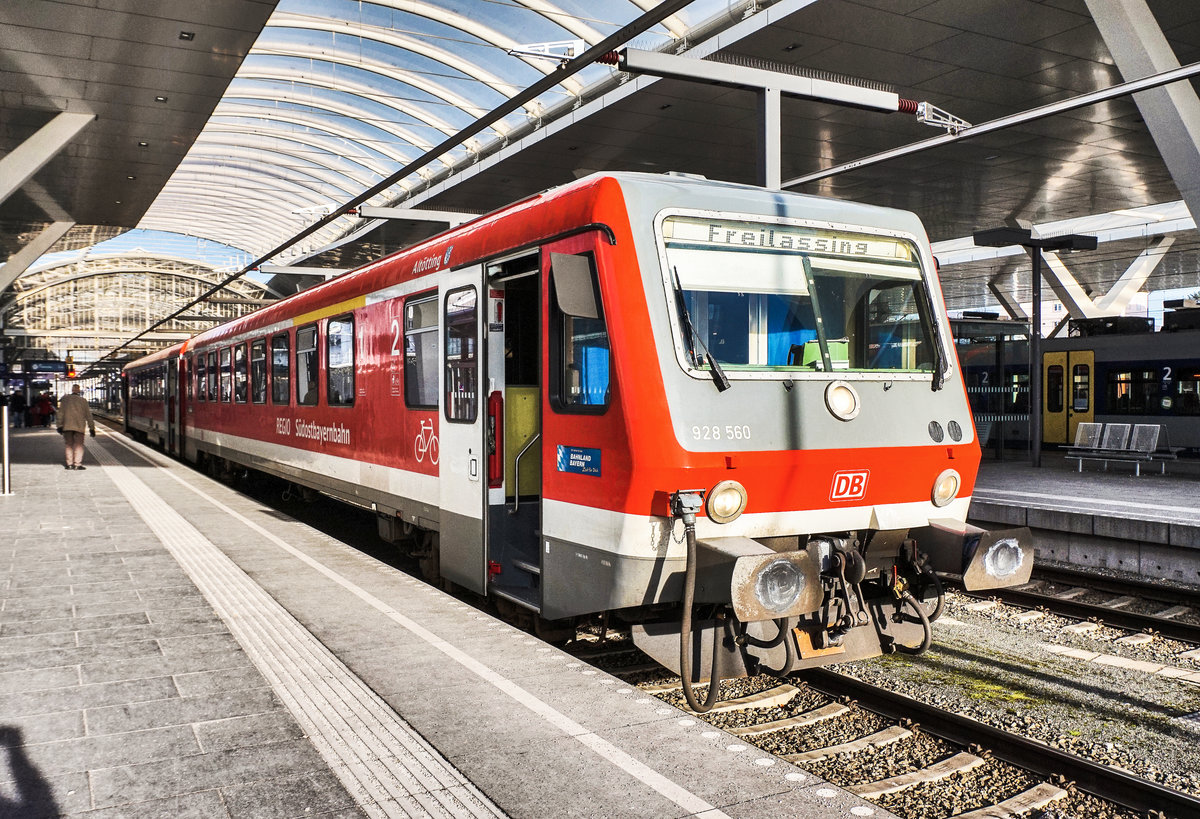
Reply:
x=426, y=442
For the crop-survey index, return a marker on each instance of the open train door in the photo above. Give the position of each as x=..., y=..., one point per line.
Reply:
x=172, y=405
x=463, y=486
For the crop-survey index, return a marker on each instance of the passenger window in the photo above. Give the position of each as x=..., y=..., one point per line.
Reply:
x=212, y=376
x=1054, y=388
x=462, y=396
x=258, y=371
x=420, y=352
x=339, y=355
x=306, y=366
x=280, y=369
x=226, y=375
x=201, y=377
x=1081, y=387
x=239, y=374
x=579, y=353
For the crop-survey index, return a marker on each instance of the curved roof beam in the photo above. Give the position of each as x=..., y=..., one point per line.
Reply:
x=310, y=178
x=197, y=184
x=404, y=42
x=305, y=119
x=323, y=146
x=244, y=238
x=415, y=79
x=563, y=19
x=353, y=88
x=194, y=217
x=265, y=208
x=122, y=256
x=177, y=274
x=320, y=157
x=343, y=109
x=478, y=30
x=673, y=24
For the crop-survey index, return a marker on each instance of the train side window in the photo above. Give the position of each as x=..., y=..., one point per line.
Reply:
x=281, y=370
x=462, y=365
x=306, y=366
x=420, y=352
x=213, y=372
x=339, y=357
x=1054, y=388
x=1187, y=390
x=227, y=375
x=202, y=377
x=258, y=371
x=240, y=374
x=1081, y=387
x=579, y=351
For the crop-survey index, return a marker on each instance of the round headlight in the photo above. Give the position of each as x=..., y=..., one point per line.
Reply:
x=842, y=400
x=725, y=502
x=779, y=585
x=1003, y=558
x=945, y=488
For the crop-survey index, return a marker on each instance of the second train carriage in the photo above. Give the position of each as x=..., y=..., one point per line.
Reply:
x=624, y=393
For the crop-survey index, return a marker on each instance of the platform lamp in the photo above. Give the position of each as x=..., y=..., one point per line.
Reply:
x=1006, y=237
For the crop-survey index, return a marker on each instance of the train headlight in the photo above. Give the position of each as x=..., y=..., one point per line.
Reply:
x=725, y=502
x=945, y=488
x=1003, y=559
x=779, y=586
x=842, y=400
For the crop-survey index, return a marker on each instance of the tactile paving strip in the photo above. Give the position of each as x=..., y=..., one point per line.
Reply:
x=389, y=769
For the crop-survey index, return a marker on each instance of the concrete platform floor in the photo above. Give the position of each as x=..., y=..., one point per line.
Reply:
x=170, y=647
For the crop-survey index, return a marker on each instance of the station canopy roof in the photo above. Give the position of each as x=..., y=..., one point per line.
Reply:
x=242, y=122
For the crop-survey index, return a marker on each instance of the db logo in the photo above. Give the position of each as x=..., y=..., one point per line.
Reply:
x=849, y=485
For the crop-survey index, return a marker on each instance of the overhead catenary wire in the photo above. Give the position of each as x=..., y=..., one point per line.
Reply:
x=639, y=25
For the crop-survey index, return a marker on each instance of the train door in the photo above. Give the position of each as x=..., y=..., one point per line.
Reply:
x=514, y=469
x=1068, y=398
x=462, y=459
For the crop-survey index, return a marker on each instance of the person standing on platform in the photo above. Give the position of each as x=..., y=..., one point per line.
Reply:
x=17, y=409
x=74, y=416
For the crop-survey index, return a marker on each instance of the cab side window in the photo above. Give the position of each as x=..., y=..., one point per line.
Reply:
x=579, y=351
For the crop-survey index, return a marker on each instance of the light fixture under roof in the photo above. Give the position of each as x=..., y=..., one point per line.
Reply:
x=160, y=98
x=187, y=35
x=143, y=144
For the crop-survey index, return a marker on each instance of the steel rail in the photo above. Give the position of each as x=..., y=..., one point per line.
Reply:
x=1113, y=784
x=1118, y=585
x=1187, y=632
x=1033, y=114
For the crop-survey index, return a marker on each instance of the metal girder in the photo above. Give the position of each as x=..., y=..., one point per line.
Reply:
x=1171, y=113
x=416, y=214
x=1010, y=304
x=32, y=155
x=20, y=261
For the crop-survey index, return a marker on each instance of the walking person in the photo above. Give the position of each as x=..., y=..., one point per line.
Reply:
x=17, y=409
x=74, y=416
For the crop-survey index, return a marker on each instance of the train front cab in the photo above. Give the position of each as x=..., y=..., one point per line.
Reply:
x=1068, y=394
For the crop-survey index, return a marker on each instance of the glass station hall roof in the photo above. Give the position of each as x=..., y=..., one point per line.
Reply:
x=336, y=95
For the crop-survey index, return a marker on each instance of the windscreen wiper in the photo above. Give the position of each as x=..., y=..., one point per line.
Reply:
x=718, y=375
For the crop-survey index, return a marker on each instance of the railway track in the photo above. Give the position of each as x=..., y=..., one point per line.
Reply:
x=1059, y=588
x=786, y=717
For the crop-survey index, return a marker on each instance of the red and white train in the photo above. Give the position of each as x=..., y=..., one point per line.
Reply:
x=623, y=394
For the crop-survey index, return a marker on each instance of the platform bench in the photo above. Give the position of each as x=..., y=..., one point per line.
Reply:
x=1113, y=442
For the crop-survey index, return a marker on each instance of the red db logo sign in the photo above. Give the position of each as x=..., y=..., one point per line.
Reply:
x=849, y=485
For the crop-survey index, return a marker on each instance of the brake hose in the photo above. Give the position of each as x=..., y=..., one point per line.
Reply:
x=685, y=628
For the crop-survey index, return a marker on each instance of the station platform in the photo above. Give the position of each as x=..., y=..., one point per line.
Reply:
x=1147, y=524
x=171, y=647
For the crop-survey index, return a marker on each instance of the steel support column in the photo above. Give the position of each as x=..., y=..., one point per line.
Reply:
x=1172, y=113
x=32, y=155
x=770, y=162
x=20, y=261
